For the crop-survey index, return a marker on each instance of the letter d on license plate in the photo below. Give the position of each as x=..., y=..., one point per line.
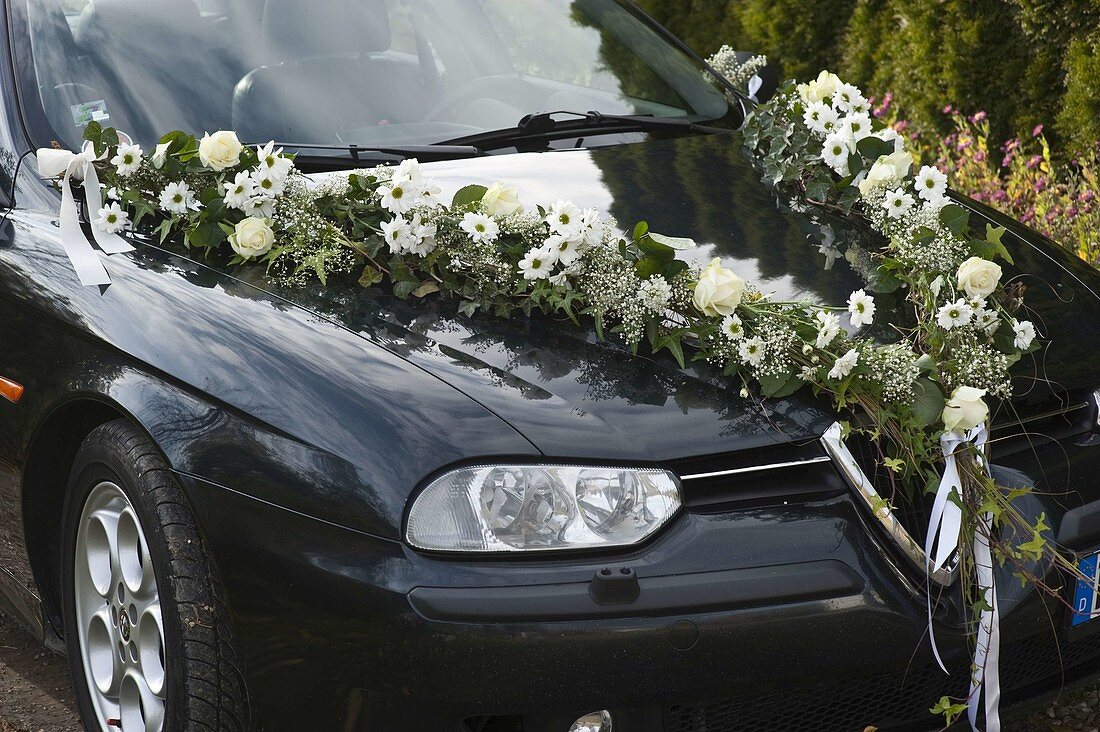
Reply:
x=1085, y=605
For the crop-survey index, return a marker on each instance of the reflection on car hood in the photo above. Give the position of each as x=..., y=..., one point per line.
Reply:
x=568, y=393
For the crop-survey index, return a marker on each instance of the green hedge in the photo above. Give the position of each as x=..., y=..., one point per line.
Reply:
x=1024, y=62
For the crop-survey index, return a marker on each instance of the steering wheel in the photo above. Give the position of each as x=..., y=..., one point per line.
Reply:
x=505, y=89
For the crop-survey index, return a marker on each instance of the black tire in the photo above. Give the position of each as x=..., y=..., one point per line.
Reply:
x=205, y=688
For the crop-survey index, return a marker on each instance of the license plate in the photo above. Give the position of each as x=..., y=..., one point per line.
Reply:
x=1085, y=595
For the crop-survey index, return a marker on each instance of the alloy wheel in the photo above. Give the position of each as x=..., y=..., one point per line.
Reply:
x=118, y=613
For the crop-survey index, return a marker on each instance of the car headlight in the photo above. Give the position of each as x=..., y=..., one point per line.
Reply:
x=509, y=508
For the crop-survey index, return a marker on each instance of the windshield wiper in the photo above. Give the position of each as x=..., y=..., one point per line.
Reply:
x=364, y=155
x=542, y=125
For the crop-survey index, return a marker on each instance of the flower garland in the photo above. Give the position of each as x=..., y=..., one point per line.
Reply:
x=920, y=397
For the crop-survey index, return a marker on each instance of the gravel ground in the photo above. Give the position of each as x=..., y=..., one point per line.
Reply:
x=36, y=696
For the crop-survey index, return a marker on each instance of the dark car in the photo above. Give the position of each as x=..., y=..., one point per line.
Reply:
x=212, y=486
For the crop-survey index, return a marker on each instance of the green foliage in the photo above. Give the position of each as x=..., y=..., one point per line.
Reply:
x=1079, y=118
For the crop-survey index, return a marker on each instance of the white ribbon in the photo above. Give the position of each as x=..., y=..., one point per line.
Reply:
x=80, y=166
x=755, y=82
x=944, y=528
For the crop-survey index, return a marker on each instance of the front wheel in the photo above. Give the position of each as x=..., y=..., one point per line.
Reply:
x=148, y=637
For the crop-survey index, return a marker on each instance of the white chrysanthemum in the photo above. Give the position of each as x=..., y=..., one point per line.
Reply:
x=537, y=263
x=112, y=218
x=397, y=197
x=1024, y=331
x=128, y=159
x=427, y=192
x=240, y=190
x=398, y=235
x=861, y=307
x=897, y=203
x=808, y=373
x=844, y=365
x=268, y=183
x=273, y=160
x=848, y=98
x=565, y=219
x=568, y=250
x=592, y=229
x=987, y=320
x=178, y=198
x=931, y=183
x=113, y=194
x=751, y=350
x=561, y=279
x=838, y=146
x=260, y=207
x=955, y=314
x=421, y=237
x=820, y=117
x=407, y=170
x=732, y=328
x=857, y=125
x=828, y=328
x=889, y=134
x=481, y=228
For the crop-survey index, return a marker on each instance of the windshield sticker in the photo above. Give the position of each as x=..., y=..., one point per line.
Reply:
x=86, y=112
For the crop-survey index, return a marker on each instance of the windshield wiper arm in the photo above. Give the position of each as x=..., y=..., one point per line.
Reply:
x=377, y=154
x=543, y=124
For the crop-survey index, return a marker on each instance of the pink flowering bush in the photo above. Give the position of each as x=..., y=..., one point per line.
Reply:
x=1020, y=177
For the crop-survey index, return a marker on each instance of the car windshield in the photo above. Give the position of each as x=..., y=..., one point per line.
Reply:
x=344, y=72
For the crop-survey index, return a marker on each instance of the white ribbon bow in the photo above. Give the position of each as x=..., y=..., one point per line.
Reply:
x=944, y=527
x=80, y=166
x=755, y=82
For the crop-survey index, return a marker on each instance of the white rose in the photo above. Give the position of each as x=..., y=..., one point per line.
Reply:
x=825, y=85
x=887, y=171
x=252, y=237
x=501, y=200
x=965, y=409
x=221, y=150
x=718, y=291
x=979, y=277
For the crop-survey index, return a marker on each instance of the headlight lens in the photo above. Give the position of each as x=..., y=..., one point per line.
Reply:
x=508, y=508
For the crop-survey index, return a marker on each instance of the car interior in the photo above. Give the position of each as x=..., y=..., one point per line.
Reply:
x=365, y=72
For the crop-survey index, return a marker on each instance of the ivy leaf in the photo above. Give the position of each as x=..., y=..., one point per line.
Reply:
x=855, y=164
x=468, y=196
x=672, y=343
x=371, y=276
x=427, y=287
x=468, y=308
x=872, y=148
x=780, y=386
x=404, y=288
x=948, y=709
x=955, y=218
x=928, y=402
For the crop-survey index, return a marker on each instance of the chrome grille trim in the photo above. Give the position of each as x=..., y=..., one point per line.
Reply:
x=757, y=468
x=842, y=457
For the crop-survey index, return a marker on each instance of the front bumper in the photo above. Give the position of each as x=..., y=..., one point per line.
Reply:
x=796, y=616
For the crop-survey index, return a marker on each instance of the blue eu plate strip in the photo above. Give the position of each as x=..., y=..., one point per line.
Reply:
x=1084, y=597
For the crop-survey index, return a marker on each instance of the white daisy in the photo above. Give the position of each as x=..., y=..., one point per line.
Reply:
x=955, y=314
x=112, y=218
x=561, y=279
x=1025, y=334
x=397, y=197
x=568, y=250
x=828, y=328
x=751, y=350
x=844, y=365
x=178, y=198
x=128, y=159
x=820, y=117
x=897, y=203
x=565, y=219
x=480, y=227
x=931, y=183
x=536, y=264
x=838, y=146
x=398, y=235
x=273, y=161
x=848, y=96
x=240, y=190
x=732, y=328
x=592, y=227
x=857, y=125
x=260, y=207
x=861, y=306
x=808, y=373
x=987, y=320
x=268, y=183
x=408, y=170
x=422, y=237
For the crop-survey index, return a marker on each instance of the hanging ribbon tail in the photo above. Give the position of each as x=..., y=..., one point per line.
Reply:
x=76, y=245
x=942, y=541
x=93, y=201
x=755, y=82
